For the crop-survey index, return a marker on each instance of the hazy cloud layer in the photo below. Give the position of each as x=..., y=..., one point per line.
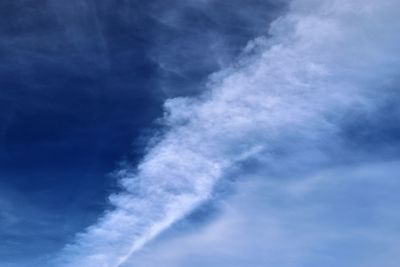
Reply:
x=338, y=216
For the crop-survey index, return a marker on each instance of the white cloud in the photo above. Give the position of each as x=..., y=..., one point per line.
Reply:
x=288, y=97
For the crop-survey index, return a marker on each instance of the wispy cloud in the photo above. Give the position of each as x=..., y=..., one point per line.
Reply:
x=286, y=99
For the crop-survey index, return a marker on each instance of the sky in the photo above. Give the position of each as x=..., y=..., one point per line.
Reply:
x=199, y=133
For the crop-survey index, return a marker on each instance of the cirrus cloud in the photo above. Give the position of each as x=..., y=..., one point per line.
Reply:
x=282, y=106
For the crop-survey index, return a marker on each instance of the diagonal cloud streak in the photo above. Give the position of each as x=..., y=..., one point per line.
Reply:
x=288, y=94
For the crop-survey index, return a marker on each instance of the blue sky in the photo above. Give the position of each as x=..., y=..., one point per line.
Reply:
x=199, y=133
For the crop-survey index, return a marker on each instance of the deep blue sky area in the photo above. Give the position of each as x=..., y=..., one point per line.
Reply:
x=81, y=84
